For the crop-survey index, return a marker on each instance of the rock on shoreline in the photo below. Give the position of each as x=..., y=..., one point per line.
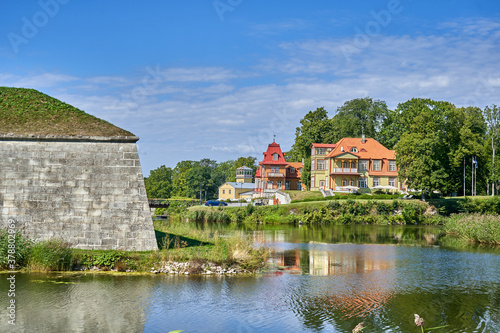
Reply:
x=186, y=268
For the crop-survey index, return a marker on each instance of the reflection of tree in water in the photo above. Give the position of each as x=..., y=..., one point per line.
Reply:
x=370, y=234
x=341, y=307
x=381, y=311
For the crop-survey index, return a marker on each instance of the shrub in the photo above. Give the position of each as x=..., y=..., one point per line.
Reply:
x=51, y=255
x=21, y=249
x=176, y=207
x=106, y=259
x=249, y=209
x=383, y=208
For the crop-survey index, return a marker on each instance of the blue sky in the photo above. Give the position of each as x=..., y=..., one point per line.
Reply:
x=217, y=79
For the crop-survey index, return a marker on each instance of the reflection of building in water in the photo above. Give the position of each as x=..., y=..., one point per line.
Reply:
x=358, y=292
x=335, y=262
x=290, y=260
x=320, y=262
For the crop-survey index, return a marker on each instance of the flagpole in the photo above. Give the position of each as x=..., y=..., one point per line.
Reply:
x=472, y=179
x=475, y=175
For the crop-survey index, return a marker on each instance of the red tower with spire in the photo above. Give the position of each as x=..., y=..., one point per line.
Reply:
x=275, y=173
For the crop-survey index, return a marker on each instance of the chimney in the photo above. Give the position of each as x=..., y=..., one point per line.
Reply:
x=363, y=138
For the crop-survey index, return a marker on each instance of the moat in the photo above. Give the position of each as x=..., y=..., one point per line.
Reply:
x=323, y=279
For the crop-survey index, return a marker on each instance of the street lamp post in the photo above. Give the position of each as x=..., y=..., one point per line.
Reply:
x=241, y=189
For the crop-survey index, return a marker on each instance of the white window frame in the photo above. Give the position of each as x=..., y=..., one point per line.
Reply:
x=376, y=181
x=320, y=151
x=320, y=165
x=362, y=182
x=393, y=181
x=363, y=165
x=376, y=165
x=392, y=165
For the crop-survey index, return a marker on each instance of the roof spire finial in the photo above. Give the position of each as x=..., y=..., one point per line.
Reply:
x=274, y=138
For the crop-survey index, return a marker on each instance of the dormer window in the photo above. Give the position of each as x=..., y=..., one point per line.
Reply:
x=354, y=150
x=275, y=157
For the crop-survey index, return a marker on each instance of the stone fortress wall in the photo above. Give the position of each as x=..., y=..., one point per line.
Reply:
x=88, y=191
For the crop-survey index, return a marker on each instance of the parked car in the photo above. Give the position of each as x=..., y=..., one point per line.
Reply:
x=215, y=203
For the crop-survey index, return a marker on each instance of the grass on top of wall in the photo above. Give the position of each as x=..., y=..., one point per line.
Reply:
x=28, y=111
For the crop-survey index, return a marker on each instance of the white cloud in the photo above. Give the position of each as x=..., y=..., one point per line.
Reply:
x=275, y=28
x=197, y=112
x=197, y=74
x=41, y=81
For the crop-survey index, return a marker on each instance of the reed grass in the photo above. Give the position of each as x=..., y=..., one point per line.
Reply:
x=474, y=227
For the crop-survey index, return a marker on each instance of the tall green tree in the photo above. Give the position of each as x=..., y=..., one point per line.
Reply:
x=203, y=177
x=358, y=116
x=315, y=127
x=181, y=188
x=492, y=115
x=470, y=128
x=305, y=176
x=159, y=183
x=423, y=152
x=249, y=162
x=435, y=138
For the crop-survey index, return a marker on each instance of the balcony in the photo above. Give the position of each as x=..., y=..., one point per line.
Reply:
x=274, y=174
x=345, y=170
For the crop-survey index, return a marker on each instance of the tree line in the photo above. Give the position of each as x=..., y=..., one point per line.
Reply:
x=189, y=179
x=434, y=140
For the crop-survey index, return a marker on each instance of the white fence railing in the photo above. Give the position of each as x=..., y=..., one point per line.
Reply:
x=274, y=174
x=346, y=170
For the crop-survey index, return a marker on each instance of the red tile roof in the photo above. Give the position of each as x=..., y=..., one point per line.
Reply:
x=370, y=149
x=323, y=145
x=272, y=149
x=296, y=165
x=257, y=173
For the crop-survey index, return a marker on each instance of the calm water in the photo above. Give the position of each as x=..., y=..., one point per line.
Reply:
x=327, y=279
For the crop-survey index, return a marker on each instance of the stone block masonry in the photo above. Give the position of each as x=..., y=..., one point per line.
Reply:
x=88, y=191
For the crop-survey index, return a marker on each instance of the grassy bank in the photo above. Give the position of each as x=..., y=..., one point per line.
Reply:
x=321, y=212
x=177, y=243
x=476, y=227
x=472, y=220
